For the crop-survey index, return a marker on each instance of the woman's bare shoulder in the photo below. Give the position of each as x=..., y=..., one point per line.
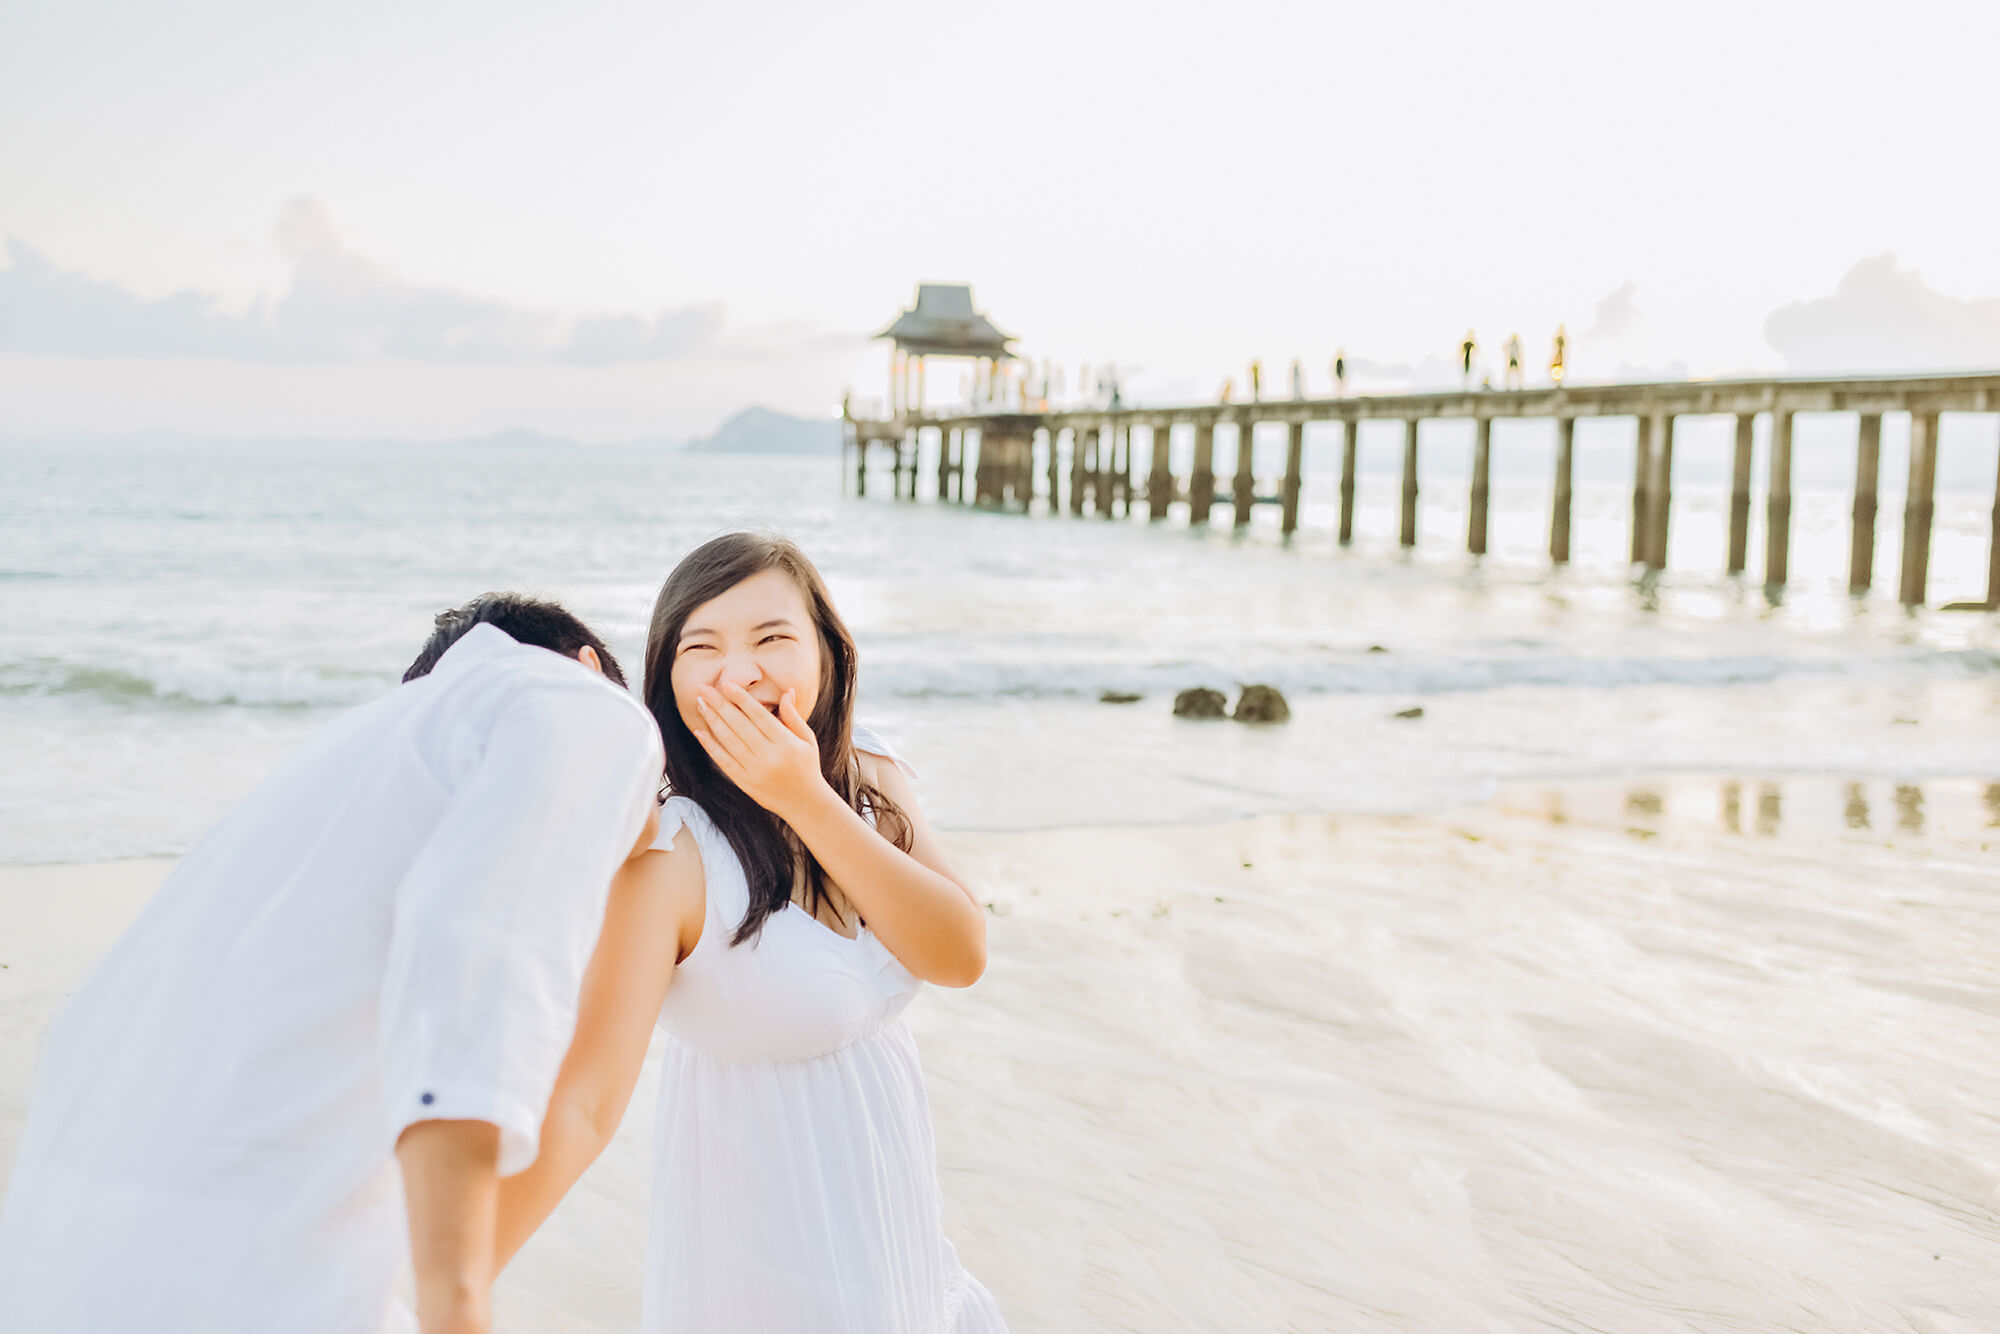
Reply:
x=670, y=876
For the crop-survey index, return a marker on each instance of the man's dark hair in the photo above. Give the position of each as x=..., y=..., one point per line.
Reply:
x=529, y=620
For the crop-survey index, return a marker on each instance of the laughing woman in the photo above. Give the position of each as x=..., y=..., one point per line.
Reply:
x=794, y=903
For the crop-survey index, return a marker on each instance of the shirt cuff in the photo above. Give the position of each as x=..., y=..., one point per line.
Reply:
x=520, y=1126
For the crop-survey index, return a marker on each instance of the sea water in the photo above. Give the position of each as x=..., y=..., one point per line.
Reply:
x=175, y=616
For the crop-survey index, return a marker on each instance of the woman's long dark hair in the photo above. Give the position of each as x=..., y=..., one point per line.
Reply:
x=773, y=858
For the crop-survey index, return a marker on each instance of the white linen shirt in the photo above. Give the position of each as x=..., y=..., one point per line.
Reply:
x=392, y=928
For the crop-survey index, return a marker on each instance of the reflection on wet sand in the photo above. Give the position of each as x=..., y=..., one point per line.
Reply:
x=1910, y=808
x=1769, y=809
x=1788, y=807
x=1644, y=806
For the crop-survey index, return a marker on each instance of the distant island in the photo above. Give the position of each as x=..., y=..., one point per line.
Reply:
x=762, y=431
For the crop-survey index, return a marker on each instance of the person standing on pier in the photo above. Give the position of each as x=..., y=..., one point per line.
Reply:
x=1558, y=360
x=1340, y=373
x=1466, y=351
x=1514, y=377
x=1298, y=379
x=1256, y=381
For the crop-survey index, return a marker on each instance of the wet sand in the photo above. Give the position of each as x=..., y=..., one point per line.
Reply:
x=1690, y=1054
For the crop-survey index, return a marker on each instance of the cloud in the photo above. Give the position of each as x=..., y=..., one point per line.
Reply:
x=44, y=309
x=607, y=339
x=1884, y=317
x=340, y=306
x=1617, y=313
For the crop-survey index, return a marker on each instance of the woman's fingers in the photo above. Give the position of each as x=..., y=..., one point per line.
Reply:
x=726, y=730
x=789, y=715
x=731, y=721
x=759, y=717
x=754, y=722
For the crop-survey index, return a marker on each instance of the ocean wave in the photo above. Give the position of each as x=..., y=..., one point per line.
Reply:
x=184, y=683
x=180, y=683
x=1391, y=674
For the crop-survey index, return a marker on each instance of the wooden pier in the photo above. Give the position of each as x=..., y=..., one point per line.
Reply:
x=1008, y=450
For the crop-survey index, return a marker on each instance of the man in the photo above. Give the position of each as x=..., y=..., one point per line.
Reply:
x=372, y=962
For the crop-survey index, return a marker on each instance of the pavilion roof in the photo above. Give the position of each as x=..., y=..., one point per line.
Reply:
x=943, y=323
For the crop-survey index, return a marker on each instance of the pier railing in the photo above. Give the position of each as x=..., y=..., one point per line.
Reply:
x=1010, y=449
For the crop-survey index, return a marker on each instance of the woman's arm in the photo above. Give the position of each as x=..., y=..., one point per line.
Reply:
x=913, y=902
x=653, y=916
x=928, y=852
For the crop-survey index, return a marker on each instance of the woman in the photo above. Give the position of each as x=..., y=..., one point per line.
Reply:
x=793, y=904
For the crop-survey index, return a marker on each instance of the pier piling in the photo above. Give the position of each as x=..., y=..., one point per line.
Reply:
x=1160, y=481
x=1559, y=514
x=1104, y=476
x=1867, y=479
x=1993, y=572
x=1778, y=502
x=1081, y=443
x=1023, y=471
x=1104, y=491
x=1055, y=470
x=1918, y=508
x=1408, y=535
x=1125, y=487
x=1660, y=491
x=1349, y=451
x=1295, y=457
x=1482, y=475
x=1201, y=480
x=1245, y=490
x=1642, y=477
x=1113, y=495
x=1739, y=493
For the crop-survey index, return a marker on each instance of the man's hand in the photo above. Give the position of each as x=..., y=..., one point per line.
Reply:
x=451, y=1186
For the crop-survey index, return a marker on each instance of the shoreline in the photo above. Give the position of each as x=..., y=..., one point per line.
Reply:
x=1968, y=795
x=1580, y=1050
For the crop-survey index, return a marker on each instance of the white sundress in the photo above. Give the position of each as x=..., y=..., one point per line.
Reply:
x=795, y=1175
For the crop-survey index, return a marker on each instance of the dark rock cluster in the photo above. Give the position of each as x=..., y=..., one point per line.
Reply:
x=1257, y=704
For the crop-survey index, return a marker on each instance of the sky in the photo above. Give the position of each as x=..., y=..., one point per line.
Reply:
x=614, y=221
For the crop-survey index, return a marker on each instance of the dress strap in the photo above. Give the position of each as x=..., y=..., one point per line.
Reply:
x=866, y=738
x=673, y=818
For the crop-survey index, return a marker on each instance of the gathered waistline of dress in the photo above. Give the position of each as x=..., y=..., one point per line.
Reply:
x=891, y=1024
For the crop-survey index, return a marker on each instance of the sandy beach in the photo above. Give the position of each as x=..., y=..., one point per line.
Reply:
x=1694, y=1054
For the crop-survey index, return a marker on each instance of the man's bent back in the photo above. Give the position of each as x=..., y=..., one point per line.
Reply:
x=391, y=929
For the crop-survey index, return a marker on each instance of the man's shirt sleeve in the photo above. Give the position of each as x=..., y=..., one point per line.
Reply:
x=496, y=917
